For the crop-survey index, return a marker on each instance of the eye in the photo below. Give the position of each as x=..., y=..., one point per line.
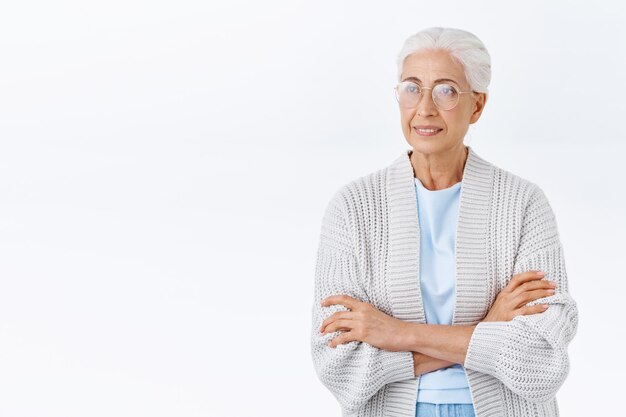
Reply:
x=412, y=88
x=446, y=90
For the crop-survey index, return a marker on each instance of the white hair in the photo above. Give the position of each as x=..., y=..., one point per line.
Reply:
x=463, y=46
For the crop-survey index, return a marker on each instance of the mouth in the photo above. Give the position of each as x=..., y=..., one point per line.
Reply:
x=427, y=131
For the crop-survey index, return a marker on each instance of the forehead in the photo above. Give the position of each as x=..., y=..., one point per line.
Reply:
x=429, y=65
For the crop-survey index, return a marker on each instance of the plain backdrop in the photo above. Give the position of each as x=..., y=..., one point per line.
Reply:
x=164, y=167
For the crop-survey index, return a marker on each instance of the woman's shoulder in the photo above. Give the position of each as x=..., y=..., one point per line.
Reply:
x=516, y=197
x=504, y=180
x=509, y=185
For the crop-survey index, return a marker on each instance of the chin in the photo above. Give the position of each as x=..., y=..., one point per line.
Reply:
x=428, y=145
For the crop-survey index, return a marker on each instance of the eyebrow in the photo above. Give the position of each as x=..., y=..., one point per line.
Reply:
x=438, y=80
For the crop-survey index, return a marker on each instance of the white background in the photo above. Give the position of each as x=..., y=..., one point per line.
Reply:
x=164, y=167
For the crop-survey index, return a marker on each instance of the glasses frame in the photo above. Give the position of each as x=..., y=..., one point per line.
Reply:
x=397, y=94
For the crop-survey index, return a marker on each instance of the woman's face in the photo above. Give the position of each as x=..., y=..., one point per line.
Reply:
x=426, y=68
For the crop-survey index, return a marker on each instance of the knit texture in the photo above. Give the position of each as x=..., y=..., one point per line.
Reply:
x=369, y=250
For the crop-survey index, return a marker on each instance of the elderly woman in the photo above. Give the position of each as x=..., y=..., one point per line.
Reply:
x=440, y=283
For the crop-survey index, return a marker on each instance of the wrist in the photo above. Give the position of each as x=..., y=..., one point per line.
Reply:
x=410, y=336
x=413, y=337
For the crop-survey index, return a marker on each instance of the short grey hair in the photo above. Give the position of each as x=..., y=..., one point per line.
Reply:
x=464, y=47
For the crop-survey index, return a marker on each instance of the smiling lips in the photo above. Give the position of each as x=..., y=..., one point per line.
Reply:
x=427, y=130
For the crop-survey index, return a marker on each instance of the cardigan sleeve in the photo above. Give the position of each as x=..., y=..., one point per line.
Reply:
x=529, y=353
x=353, y=371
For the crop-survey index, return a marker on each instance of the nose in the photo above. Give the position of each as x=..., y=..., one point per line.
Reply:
x=425, y=105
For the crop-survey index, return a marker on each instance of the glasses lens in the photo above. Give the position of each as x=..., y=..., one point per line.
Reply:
x=408, y=94
x=445, y=96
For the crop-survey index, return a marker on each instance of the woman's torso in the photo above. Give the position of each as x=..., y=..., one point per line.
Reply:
x=437, y=213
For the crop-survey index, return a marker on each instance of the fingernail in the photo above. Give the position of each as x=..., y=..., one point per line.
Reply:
x=551, y=291
x=540, y=274
x=553, y=284
x=544, y=306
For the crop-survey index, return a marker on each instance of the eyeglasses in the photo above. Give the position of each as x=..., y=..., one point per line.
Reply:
x=445, y=96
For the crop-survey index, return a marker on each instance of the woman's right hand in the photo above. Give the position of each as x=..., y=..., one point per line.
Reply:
x=523, y=288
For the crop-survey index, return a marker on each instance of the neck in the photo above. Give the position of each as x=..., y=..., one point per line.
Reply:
x=439, y=170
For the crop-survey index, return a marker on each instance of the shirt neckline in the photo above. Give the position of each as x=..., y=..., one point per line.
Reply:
x=453, y=187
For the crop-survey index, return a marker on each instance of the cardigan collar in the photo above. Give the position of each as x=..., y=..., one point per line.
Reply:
x=471, y=241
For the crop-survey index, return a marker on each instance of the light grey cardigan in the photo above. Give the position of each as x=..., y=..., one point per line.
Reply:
x=369, y=249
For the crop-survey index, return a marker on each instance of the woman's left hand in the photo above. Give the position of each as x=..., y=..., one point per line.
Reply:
x=364, y=323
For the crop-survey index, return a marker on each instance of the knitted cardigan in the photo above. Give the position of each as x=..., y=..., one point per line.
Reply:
x=369, y=250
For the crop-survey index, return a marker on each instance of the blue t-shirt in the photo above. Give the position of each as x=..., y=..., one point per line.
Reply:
x=438, y=212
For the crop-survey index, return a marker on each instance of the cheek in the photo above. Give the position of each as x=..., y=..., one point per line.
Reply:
x=464, y=117
x=456, y=121
x=405, y=117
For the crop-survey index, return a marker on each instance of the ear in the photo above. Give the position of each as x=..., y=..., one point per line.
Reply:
x=479, y=105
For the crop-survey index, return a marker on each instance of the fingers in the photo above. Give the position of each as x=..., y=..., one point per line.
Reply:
x=335, y=316
x=345, y=300
x=534, y=309
x=529, y=286
x=339, y=325
x=521, y=278
x=522, y=289
x=528, y=296
x=342, y=338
